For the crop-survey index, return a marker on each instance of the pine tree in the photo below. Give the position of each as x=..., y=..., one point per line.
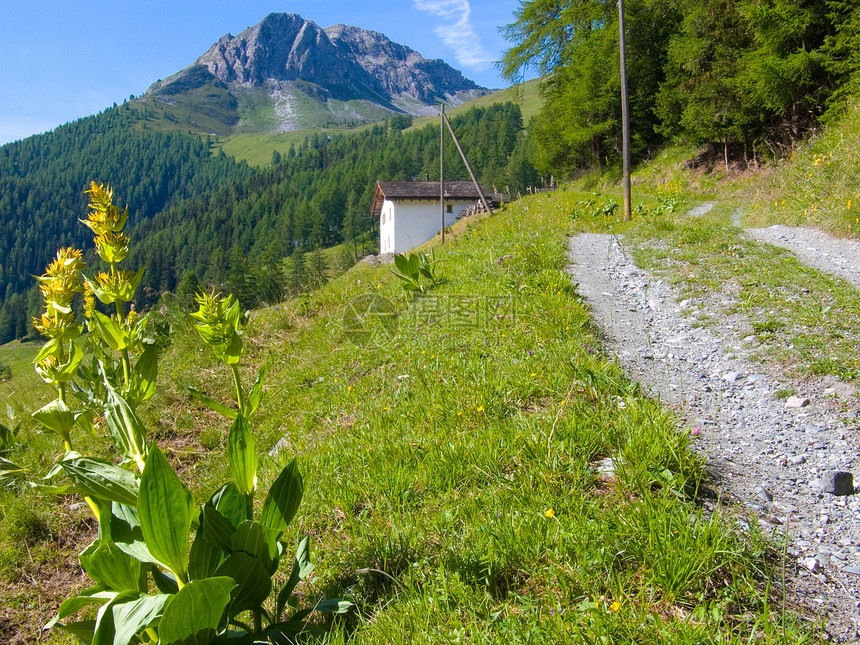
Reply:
x=297, y=278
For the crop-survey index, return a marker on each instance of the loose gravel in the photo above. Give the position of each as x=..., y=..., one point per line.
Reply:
x=772, y=445
x=815, y=248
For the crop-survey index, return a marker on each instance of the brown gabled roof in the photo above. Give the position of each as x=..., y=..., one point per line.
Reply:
x=395, y=190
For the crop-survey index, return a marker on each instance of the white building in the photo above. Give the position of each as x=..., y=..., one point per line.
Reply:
x=409, y=212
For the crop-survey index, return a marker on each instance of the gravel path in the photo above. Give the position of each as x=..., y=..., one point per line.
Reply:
x=816, y=249
x=772, y=458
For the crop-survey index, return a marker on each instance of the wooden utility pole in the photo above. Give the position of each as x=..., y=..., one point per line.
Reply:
x=625, y=116
x=468, y=167
x=442, y=170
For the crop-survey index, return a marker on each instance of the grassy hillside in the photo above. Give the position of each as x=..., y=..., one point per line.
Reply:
x=526, y=95
x=451, y=446
x=816, y=185
x=257, y=148
x=456, y=444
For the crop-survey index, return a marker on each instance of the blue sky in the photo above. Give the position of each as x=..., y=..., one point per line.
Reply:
x=64, y=59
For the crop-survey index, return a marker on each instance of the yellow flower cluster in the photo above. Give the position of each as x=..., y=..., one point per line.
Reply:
x=106, y=221
x=672, y=187
x=218, y=318
x=58, y=285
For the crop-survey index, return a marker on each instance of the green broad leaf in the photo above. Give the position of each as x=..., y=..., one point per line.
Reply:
x=101, y=294
x=44, y=489
x=8, y=437
x=302, y=567
x=108, y=566
x=143, y=376
x=402, y=263
x=210, y=335
x=230, y=503
x=138, y=332
x=56, y=417
x=131, y=619
x=84, y=420
x=233, y=316
x=194, y=613
x=216, y=529
x=119, y=622
x=231, y=353
x=256, y=540
x=165, y=511
x=66, y=372
x=285, y=632
x=427, y=273
x=127, y=431
x=126, y=294
x=256, y=393
x=48, y=349
x=164, y=580
x=283, y=498
x=97, y=595
x=127, y=534
x=242, y=456
x=409, y=283
x=82, y=630
x=203, y=558
x=212, y=404
x=56, y=469
x=102, y=479
x=333, y=606
x=105, y=627
x=110, y=331
x=9, y=470
x=414, y=265
x=253, y=583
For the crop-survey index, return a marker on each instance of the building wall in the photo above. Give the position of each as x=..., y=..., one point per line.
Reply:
x=386, y=227
x=409, y=223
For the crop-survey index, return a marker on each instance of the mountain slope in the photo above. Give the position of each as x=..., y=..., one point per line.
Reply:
x=287, y=73
x=194, y=211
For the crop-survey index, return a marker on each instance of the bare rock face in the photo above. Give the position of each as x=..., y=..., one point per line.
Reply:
x=400, y=70
x=283, y=47
x=343, y=62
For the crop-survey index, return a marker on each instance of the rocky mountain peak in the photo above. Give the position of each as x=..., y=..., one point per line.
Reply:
x=282, y=47
x=285, y=57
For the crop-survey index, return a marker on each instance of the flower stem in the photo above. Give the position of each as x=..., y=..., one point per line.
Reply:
x=61, y=387
x=126, y=366
x=239, y=396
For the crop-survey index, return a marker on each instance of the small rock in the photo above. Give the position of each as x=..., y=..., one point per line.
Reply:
x=796, y=402
x=730, y=377
x=838, y=482
x=809, y=563
x=763, y=494
x=855, y=570
x=606, y=467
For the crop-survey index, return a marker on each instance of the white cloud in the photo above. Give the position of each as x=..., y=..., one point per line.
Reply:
x=457, y=32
